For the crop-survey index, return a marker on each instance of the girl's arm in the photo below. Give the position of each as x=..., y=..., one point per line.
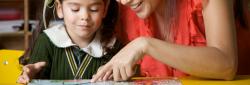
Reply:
x=218, y=60
x=29, y=71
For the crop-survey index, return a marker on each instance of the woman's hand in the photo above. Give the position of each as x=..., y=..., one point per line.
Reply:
x=110, y=77
x=29, y=71
x=121, y=66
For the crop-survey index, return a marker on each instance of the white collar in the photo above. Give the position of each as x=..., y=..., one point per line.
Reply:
x=60, y=38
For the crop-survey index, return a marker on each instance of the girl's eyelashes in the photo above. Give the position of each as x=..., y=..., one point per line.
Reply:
x=94, y=9
x=75, y=9
x=91, y=10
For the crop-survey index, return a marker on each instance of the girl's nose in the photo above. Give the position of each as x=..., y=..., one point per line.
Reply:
x=84, y=19
x=84, y=15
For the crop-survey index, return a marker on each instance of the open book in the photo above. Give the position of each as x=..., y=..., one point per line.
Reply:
x=133, y=81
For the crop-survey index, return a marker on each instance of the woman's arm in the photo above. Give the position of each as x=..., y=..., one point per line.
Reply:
x=218, y=60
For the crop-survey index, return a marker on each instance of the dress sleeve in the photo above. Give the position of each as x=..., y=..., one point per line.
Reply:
x=42, y=50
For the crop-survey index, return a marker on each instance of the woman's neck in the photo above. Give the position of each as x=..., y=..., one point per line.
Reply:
x=160, y=14
x=162, y=19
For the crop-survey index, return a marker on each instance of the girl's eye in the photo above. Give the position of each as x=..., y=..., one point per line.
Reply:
x=94, y=9
x=75, y=10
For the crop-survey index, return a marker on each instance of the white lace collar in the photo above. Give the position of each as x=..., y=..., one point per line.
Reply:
x=59, y=36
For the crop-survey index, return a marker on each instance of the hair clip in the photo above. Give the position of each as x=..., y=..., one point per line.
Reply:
x=50, y=3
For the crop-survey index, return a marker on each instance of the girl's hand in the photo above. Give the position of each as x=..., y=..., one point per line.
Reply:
x=122, y=64
x=29, y=71
x=24, y=78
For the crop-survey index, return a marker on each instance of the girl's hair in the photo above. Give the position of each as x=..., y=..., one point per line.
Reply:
x=107, y=30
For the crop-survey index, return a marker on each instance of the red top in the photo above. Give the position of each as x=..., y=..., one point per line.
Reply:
x=189, y=30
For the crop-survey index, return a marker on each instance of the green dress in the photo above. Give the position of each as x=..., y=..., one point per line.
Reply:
x=61, y=66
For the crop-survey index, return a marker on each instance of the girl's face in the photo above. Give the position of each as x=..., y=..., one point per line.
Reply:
x=143, y=8
x=82, y=17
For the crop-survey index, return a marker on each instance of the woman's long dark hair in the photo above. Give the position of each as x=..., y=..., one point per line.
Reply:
x=240, y=13
x=107, y=31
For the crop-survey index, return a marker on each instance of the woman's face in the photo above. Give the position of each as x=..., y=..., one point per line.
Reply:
x=143, y=8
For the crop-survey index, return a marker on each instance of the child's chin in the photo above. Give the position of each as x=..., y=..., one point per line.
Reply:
x=84, y=35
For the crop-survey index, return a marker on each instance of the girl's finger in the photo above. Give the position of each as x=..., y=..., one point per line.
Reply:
x=26, y=78
x=22, y=80
x=39, y=65
x=19, y=80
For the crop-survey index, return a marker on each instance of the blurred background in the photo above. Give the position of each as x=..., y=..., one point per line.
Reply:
x=12, y=22
x=19, y=18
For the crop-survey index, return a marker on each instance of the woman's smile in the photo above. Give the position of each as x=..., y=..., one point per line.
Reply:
x=137, y=6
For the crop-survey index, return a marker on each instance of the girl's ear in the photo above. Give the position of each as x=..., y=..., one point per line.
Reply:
x=59, y=9
x=106, y=8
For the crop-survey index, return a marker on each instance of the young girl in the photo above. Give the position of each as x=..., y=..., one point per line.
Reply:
x=79, y=46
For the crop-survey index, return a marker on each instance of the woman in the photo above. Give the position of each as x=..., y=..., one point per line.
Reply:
x=175, y=38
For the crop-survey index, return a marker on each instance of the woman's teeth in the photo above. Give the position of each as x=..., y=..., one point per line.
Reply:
x=134, y=6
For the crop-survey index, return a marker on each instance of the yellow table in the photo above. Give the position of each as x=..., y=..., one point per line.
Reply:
x=10, y=68
x=239, y=80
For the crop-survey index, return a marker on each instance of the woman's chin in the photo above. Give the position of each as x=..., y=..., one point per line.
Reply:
x=143, y=14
